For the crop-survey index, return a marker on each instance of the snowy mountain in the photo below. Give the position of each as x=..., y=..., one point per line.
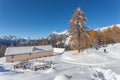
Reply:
x=10, y=37
x=58, y=39
x=65, y=32
x=57, y=36
x=103, y=28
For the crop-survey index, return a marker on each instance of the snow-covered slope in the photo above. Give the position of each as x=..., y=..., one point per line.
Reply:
x=65, y=66
x=59, y=38
x=87, y=57
x=113, y=50
x=92, y=56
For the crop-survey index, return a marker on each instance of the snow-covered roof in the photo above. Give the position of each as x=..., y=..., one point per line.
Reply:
x=27, y=49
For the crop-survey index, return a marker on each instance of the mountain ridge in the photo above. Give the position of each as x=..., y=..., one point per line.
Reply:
x=56, y=37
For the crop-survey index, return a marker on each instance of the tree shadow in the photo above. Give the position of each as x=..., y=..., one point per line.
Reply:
x=2, y=69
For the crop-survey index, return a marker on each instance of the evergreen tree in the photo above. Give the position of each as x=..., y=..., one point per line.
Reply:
x=78, y=29
x=2, y=50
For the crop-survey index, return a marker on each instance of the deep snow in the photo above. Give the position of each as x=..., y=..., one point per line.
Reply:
x=91, y=64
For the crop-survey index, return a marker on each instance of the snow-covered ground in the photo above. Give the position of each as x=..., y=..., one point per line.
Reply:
x=91, y=64
x=58, y=50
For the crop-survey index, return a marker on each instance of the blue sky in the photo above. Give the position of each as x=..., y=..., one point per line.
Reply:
x=38, y=18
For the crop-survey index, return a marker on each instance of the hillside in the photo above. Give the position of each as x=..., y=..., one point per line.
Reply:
x=64, y=37
x=56, y=37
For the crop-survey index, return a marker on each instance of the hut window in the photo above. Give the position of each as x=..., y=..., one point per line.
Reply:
x=12, y=56
x=29, y=54
x=12, y=61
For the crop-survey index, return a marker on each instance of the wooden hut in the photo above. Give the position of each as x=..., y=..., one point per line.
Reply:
x=14, y=54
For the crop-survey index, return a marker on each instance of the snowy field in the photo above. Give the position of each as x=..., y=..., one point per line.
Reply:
x=91, y=64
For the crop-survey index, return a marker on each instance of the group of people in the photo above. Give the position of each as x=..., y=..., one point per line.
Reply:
x=105, y=51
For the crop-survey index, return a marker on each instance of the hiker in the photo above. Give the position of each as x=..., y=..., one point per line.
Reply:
x=96, y=48
x=105, y=51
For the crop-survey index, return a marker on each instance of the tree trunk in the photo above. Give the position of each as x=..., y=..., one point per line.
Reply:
x=79, y=50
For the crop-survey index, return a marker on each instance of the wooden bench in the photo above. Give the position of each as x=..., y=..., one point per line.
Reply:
x=23, y=65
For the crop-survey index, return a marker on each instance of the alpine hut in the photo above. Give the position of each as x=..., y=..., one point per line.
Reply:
x=14, y=54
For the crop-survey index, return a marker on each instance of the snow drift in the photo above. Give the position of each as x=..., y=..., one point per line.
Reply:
x=61, y=77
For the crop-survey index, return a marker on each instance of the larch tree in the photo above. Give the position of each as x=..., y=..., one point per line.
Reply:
x=44, y=42
x=115, y=33
x=78, y=29
x=93, y=37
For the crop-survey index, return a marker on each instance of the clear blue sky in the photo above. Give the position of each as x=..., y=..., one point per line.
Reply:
x=38, y=18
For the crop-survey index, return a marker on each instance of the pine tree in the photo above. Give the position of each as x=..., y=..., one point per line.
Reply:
x=2, y=50
x=78, y=29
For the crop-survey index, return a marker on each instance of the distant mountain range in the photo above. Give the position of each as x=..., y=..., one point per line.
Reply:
x=7, y=40
x=55, y=37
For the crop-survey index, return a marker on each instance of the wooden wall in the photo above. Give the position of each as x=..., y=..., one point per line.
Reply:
x=27, y=56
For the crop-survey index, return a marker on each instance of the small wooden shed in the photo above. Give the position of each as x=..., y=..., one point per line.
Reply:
x=14, y=54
